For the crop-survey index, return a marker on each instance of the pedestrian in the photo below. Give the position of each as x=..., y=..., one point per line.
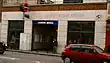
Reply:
x=74, y=42
x=70, y=42
x=55, y=43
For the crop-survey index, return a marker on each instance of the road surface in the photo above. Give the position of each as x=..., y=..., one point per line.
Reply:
x=15, y=57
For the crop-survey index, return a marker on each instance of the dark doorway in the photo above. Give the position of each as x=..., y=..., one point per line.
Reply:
x=107, y=44
x=43, y=34
x=80, y=32
x=14, y=30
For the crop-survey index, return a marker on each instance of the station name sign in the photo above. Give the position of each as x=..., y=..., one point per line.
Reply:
x=46, y=22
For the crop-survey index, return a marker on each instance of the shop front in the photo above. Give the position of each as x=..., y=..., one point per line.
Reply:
x=79, y=27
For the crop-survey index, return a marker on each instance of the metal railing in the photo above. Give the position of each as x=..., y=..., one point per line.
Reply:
x=37, y=2
x=31, y=2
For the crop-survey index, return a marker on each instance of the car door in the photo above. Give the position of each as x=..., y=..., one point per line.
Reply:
x=88, y=55
x=75, y=53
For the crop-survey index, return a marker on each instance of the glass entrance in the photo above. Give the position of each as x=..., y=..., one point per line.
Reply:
x=43, y=34
x=14, y=30
x=81, y=32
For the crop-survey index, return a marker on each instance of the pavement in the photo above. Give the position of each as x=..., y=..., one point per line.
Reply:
x=36, y=52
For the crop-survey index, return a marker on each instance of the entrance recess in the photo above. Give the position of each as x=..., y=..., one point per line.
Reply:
x=43, y=34
x=81, y=32
x=107, y=44
x=14, y=30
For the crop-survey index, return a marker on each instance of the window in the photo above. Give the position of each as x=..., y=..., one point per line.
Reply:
x=75, y=48
x=15, y=27
x=87, y=49
x=72, y=1
x=80, y=32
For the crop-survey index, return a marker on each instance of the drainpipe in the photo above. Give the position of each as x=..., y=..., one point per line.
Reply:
x=1, y=5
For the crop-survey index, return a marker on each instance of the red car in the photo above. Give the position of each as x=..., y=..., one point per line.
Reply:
x=84, y=53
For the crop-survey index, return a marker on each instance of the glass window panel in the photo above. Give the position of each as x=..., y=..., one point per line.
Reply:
x=81, y=32
x=72, y=1
x=75, y=48
x=16, y=24
x=15, y=27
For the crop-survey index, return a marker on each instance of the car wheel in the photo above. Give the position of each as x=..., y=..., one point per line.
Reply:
x=67, y=60
x=104, y=61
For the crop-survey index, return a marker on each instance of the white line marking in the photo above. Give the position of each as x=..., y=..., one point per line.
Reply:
x=38, y=62
x=10, y=58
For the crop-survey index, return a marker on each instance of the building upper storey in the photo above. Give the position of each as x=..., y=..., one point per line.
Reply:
x=44, y=2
